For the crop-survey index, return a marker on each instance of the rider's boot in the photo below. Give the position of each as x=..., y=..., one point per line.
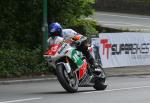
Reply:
x=94, y=66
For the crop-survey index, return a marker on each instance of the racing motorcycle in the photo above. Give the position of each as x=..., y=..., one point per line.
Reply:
x=72, y=69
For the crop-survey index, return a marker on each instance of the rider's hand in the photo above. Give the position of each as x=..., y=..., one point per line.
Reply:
x=77, y=42
x=76, y=37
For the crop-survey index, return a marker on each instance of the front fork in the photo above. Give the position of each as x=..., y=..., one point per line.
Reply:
x=68, y=68
x=66, y=65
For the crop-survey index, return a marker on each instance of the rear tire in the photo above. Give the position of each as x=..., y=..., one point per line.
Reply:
x=69, y=83
x=100, y=81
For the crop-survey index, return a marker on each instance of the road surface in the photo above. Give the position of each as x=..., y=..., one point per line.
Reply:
x=123, y=21
x=133, y=89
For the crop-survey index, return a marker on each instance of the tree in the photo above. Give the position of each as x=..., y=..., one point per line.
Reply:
x=20, y=31
x=21, y=20
x=66, y=11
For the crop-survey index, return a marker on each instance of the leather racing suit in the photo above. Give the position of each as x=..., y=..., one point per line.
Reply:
x=82, y=43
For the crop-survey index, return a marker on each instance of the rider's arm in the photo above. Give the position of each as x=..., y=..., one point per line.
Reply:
x=79, y=38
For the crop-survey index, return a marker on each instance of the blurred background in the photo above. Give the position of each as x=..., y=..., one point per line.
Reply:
x=23, y=28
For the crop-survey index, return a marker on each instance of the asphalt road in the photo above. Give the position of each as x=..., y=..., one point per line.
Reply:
x=133, y=89
x=123, y=21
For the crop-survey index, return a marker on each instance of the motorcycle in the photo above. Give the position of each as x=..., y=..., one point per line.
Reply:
x=72, y=69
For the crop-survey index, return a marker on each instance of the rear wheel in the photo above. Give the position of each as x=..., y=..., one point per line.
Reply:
x=69, y=81
x=100, y=81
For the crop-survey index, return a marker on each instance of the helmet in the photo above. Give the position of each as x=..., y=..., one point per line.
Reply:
x=55, y=29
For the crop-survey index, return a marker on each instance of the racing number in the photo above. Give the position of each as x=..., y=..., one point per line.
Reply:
x=75, y=57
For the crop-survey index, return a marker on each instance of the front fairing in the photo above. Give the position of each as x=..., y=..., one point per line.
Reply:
x=58, y=51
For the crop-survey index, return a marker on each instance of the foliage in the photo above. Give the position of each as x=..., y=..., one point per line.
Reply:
x=20, y=31
x=85, y=27
x=14, y=62
x=20, y=21
x=145, y=1
x=67, y=11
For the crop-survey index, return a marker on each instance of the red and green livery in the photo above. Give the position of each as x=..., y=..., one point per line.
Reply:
x=72, y=68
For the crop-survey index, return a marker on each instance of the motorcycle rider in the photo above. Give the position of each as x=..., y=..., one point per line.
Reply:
x=56, y=34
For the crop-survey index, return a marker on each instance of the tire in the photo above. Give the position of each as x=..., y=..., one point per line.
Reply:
x=70, y=84
x=100, y=81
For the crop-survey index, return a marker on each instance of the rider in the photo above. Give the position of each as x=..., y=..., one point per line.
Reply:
x=56, y=31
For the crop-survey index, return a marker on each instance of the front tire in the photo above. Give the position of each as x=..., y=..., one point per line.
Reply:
x=68, y=81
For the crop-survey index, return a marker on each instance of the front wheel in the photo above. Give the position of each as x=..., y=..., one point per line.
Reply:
x=69, y=81
x=100, y=81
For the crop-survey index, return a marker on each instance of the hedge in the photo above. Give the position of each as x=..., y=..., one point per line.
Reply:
x=21, y=62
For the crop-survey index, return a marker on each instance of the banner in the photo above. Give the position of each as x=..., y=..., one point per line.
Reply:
x=124, y=49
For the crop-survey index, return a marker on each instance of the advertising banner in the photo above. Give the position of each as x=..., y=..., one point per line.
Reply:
x=124, y=49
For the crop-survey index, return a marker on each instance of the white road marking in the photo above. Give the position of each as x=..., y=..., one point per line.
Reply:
x=120, y=89
x=27, y=80
x=21, y=100
x=122, y=24
x=143, y=18
x=140, y=30
x=110, y=22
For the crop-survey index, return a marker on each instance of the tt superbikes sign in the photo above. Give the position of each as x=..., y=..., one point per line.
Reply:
x=124, y=49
